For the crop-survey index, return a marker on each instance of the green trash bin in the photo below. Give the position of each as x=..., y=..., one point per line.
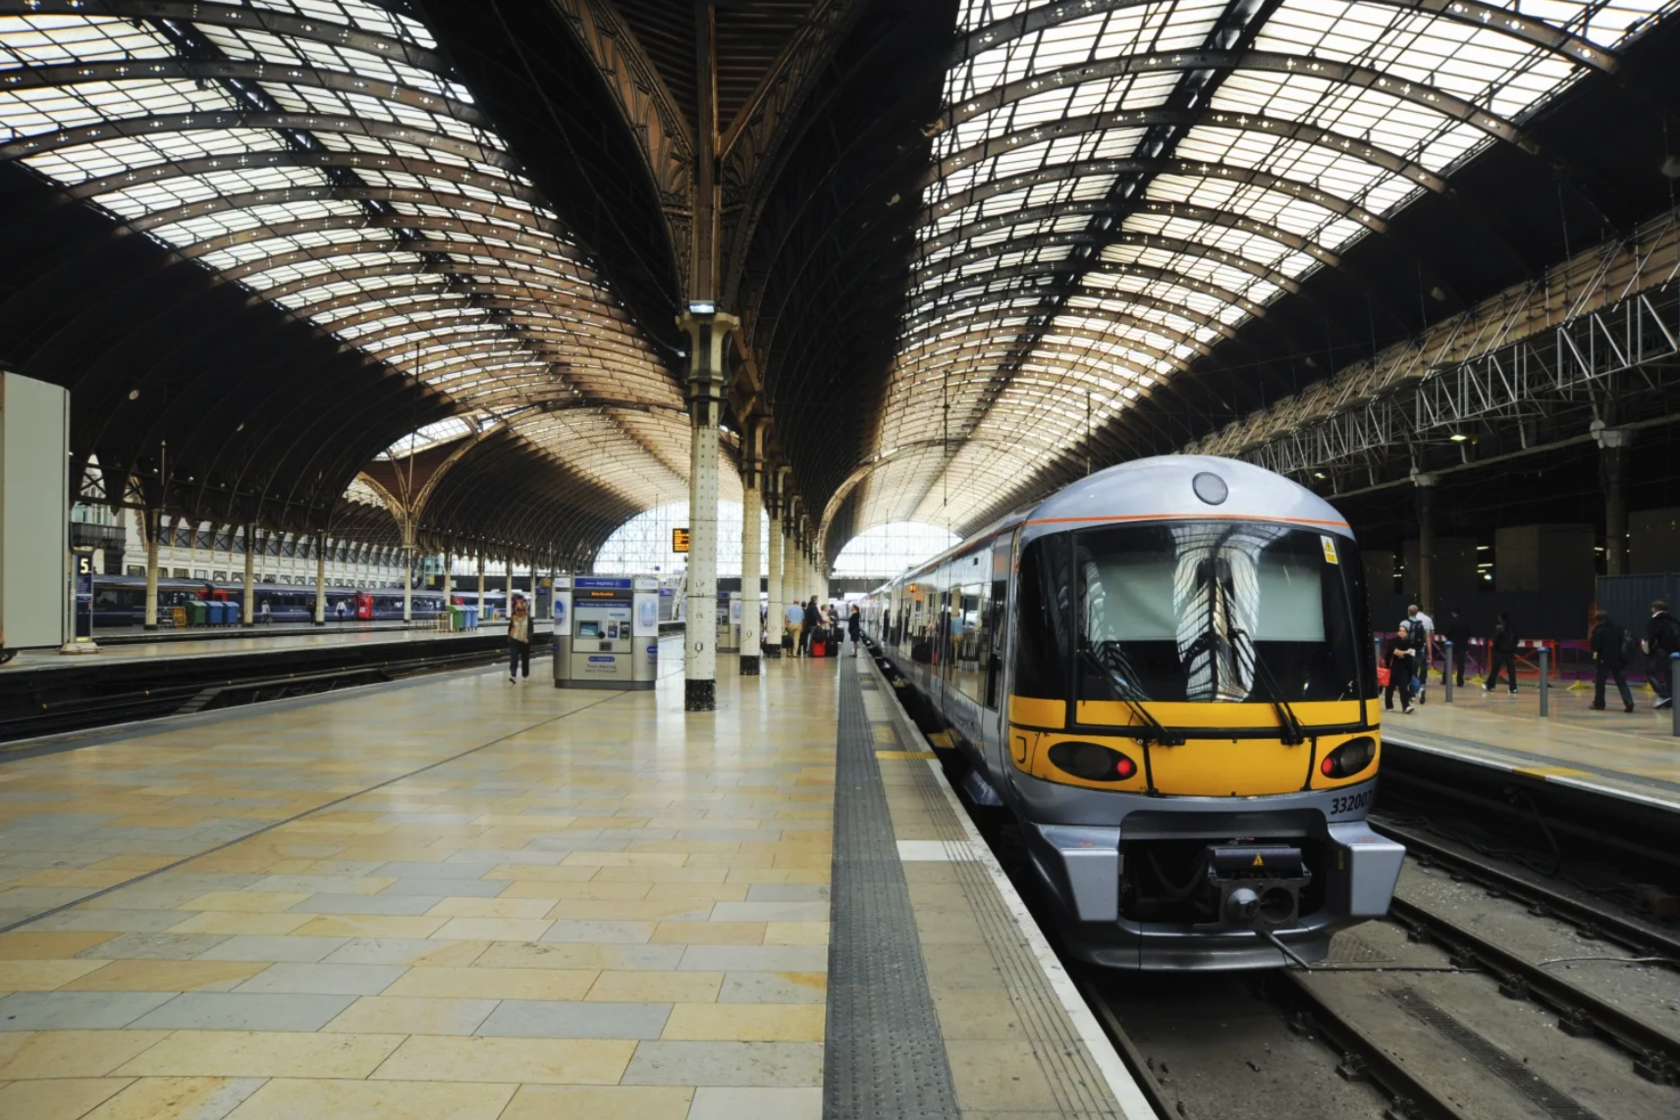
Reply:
x=198, y=612
x=457, y=618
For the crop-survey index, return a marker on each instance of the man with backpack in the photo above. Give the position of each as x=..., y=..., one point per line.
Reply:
x=1662, y=638
x=1502, y=654
x=1609, y=650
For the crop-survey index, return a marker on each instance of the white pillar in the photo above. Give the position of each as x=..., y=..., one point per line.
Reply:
x=790, y=560
x=481, y=583
x=407, y=561
x=751, y=481
x=446, y=580
x=248, y=601
x=774, y=624
x=154, y=526
x=707, y=333
x=320, y=579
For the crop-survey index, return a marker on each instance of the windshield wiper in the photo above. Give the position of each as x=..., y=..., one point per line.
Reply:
x=1157, y=733
x=1294, y=734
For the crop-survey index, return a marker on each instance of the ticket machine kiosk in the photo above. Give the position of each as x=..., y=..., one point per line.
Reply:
x=604, y=641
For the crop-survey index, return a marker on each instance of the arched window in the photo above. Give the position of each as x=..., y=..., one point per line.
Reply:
x=642, y=545
x=887, y=550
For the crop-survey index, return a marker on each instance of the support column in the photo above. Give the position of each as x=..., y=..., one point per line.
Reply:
x=408, y=570
x=481, y=583
x=774, y=624
x=751, y=486
x=153, y=526
x=320, y=579
x=707, y=330
x=447, y=582
x=1425, y=583
x=248, y=601
x=1613, y=452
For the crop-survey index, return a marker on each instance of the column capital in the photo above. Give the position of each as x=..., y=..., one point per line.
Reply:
x=1608, y=438
x=707, y=330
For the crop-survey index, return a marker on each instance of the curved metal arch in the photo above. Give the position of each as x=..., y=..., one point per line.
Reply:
x=604, y=327
x=394, y=222
x=372, y=307
x=453, y=201
x=164, y=124
x=272, y=21
x=239, y=161
x=910, y=343
x=477, y=332
x=59, y=75
x=1301, y=132
x=1342, y=73
x=1206, y=215
x=1537, y=33
x=455, y=249
x=908, y=359
x=1174, y=245
x=1051, y=352
x=1184, y=168
x=408, y=265
x=968, y=303
x=1148, y=272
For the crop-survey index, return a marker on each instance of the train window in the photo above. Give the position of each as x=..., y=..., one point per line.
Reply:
x=1043, y=636
x=1214, y=611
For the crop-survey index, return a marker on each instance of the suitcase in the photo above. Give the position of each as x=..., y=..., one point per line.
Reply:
x=819, y=648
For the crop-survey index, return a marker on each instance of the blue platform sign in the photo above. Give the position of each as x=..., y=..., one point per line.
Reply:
x=601, y=583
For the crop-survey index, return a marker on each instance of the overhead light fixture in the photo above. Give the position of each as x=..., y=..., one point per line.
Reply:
x=1458, y=437
x=1318, y=474
x=702, y=307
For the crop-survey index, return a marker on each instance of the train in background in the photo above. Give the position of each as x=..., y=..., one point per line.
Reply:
x=1164, y=672
x=120, y=601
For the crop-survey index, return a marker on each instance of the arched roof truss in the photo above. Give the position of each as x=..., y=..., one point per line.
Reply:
x=1119, y=185
x=323, y=155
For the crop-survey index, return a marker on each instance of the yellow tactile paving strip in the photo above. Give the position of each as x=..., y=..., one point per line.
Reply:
x=608, y=909
x=1633, y=751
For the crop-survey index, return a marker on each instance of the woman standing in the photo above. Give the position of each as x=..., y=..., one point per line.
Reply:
x=519, y=641
x=1401, y=655
x=854, y=628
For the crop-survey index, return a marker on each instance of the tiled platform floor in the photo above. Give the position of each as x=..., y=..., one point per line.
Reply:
x=463, y=899
x=1634, y=752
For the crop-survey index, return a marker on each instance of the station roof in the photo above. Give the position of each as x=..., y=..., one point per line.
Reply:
x=976, y=245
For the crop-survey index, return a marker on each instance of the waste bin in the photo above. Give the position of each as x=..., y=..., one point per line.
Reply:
x=215, y=613
x=457, y=618
x=198, y=612
x=471, y=614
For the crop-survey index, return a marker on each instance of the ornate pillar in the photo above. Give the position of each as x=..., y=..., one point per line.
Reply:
x=751, y=483
x=481, y=583
x=774, y=624
x=707, y=331
x=248, y=601
x=320, y=579
x=1613, y=452
x=408, y=569
x=1426, y=542
x=153, y=526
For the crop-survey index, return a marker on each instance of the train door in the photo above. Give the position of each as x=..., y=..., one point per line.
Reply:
x=364, y=606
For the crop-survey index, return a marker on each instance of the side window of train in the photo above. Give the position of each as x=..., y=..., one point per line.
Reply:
x=1043, y=623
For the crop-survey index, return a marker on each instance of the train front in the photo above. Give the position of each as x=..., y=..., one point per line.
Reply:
x=1192, y=733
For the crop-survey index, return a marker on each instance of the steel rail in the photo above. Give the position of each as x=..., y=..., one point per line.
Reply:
x=1596, y=922
x=1655, y=1052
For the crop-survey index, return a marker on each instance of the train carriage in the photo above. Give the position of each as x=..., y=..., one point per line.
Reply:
x=1164, y=671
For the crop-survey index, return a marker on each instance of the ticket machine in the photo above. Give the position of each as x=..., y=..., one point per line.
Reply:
x=605, y=641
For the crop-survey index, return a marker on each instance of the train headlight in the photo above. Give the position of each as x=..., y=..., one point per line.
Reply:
x=1092, y=762
x=1349, y=758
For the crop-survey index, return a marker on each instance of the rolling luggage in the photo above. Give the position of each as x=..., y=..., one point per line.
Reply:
x=819, y=648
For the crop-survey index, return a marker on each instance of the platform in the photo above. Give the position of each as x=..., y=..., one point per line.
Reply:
x=464, y=898
x=219, y=644
x=1634, y=756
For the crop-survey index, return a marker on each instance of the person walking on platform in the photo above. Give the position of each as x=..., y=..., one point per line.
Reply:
x=854, y=628
x=519, y=641
x=1610, y=659
x=1422, y=628
x=1502, y=654
x=1662, y=638
x=1458, y=633
x=794, y=616
x=1401, y=654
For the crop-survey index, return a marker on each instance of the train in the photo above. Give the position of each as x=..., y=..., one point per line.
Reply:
x=1165, y=673
x=120, y=601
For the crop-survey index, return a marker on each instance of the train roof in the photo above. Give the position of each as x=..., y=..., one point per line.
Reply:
x=1166, y=487
x=1161, y=488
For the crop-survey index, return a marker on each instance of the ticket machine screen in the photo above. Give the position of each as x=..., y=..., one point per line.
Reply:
x=589, y=629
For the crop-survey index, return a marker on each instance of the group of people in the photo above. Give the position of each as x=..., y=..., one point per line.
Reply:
x=806, y=620
x=1407, y=655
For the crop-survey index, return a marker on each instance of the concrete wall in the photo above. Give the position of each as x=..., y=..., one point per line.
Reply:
x=1654, y=540
x=1556, y=559
x=34, y=512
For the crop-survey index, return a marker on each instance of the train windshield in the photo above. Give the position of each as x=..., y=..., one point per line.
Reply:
x=1200, y=611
